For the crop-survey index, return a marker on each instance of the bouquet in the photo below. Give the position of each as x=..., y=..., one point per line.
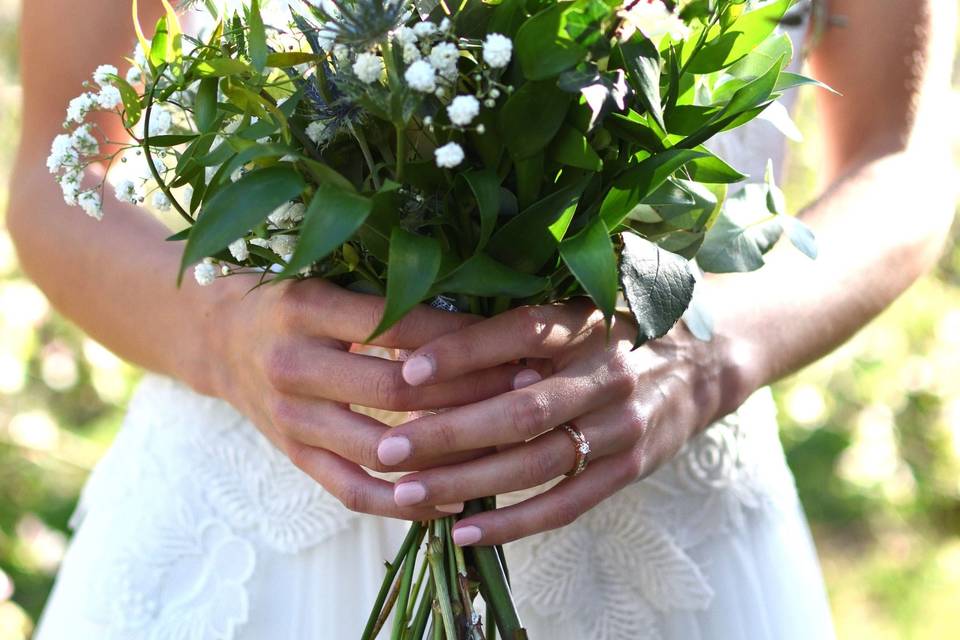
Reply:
x=480, y=154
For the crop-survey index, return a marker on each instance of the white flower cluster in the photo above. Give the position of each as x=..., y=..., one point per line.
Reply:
x=654, y=20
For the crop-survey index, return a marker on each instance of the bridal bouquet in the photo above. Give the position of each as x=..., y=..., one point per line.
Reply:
x=479, y=154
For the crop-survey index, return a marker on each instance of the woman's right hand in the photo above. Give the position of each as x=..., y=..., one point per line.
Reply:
x=284, y=361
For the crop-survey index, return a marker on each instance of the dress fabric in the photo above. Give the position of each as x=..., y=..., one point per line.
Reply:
x=193, y=527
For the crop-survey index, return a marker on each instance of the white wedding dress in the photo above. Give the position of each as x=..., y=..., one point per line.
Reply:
x=194, y=528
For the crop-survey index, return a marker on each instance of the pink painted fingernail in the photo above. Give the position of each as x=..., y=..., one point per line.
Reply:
x=417, y=370
x=526, y=378
x=465, y=536
x=409, y=493
x=394, y=450
x=453, y=507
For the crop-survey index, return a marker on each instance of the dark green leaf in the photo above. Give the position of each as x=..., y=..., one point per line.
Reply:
x=239, y=207
x=291, y=58
x=332, y=218
x=532, y=116
x=205, y=109
x=483, y=276
x=591, y=259
x=658, y=286
x=571, y=148
x=485, y=186
x=171, y=140
x=412, y=268
x=543, y=46
x=643, y=63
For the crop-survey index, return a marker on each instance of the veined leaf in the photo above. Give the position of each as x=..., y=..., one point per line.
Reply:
x=658, y=286
x=591, y=259
x=332, y=218
x=411, y=270
x=237, y=208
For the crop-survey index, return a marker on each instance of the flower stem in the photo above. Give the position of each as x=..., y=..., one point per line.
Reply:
x=419, y=624
x=435, y=556
x=400, y=621
x=414, y=535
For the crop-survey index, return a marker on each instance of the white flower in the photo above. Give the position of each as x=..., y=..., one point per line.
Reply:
x=84, y=142
x=463, y=110
x=239, y=249
x=127, y=191
x=91, y=204
x=341, y=54
x=140, y=56
x=205, y=272
x=287, y=214
x=100, y=76
x=109, y=98
x=326, y=38
x=161, y=121
x=445, y=25
x=160, y=201
x=283, y=245
x=449, y=155
x=411, y=53
x=70, y=186
x=497, y=50
x=260, y=242
x=318, y=131
x=405, y=36
x=62, y=153
x=421, y=76
x=444, y=58
x=368, y=67
x=424, y=29
x=654, y=20
x=80, y=106
x=134, y=75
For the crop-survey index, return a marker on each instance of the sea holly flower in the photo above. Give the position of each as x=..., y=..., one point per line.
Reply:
x=497, y=50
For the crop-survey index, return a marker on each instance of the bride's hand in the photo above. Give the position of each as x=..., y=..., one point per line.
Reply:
x=287, y=366
x=635, y=407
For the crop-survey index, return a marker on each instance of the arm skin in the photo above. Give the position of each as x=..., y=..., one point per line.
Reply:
x=880, y=223
x=279, y=354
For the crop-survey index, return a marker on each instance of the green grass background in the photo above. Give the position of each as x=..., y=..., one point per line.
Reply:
x=872, y=433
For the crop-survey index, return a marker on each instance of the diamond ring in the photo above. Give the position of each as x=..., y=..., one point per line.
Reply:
x=582, y=447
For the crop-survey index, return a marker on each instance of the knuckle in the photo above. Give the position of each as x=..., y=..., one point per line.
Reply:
x=291, y=305
x=532, y=324
x=281, y=367
x=638, y=423
x=633, y=466
x=388, y=390
x=565, y=512
x=538, y=467
x=353, y=497
x=444, y=435
x=620, y=376
x=528, y=414
x=299, y=455
x=282, y=411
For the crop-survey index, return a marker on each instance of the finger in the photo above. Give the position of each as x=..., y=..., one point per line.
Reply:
x=556, y=508
x=354, y=487
x=526, y=332
x=516, y=416
x=319, y=308
x=541, y=460
x=318, y=371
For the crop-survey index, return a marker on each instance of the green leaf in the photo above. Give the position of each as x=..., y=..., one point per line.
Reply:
x=507, y=17
x=285, y=59
x=483, y=276
x=571, y=148
x=485, y=186
x=257, y=38
x=158, y=46
x=801, y=236
x=643, y=64
x=741, y=234
x=592, y=260
x=658, y=286
x=543, y=46
x=748, y=31
x=713, y=170
x=205, y=108
x=531, y=117
x=172, y=140
x=637, y=183
x=239, y=207
x=132, y=109
x=220, y=67
x=411, y=270
x=533, y=235
x=332, y=218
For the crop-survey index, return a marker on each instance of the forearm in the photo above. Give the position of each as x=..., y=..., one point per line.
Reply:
x=115, y=278
x=873, y=243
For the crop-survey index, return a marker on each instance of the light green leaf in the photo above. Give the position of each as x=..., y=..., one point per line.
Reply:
x=592, y=260
x=205, y=108
x=132, y=109
x=543, y=46
x=411, y=270
x=257, y=38
x=237, y=208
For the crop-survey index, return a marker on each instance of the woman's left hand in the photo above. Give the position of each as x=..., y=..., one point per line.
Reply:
x=636, y=408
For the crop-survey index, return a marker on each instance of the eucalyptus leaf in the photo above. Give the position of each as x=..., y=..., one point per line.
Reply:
x=658, y=286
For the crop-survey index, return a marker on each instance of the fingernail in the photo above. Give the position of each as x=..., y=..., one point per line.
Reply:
x=417, y=370
x=465, y=536
x=454, y=507
x=526, y=378
x=409, y=493
x=394, y=450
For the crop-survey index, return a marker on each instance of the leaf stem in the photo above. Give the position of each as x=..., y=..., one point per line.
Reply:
x=145, y=144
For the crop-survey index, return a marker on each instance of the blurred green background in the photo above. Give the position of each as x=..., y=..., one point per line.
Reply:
x=872, y=433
